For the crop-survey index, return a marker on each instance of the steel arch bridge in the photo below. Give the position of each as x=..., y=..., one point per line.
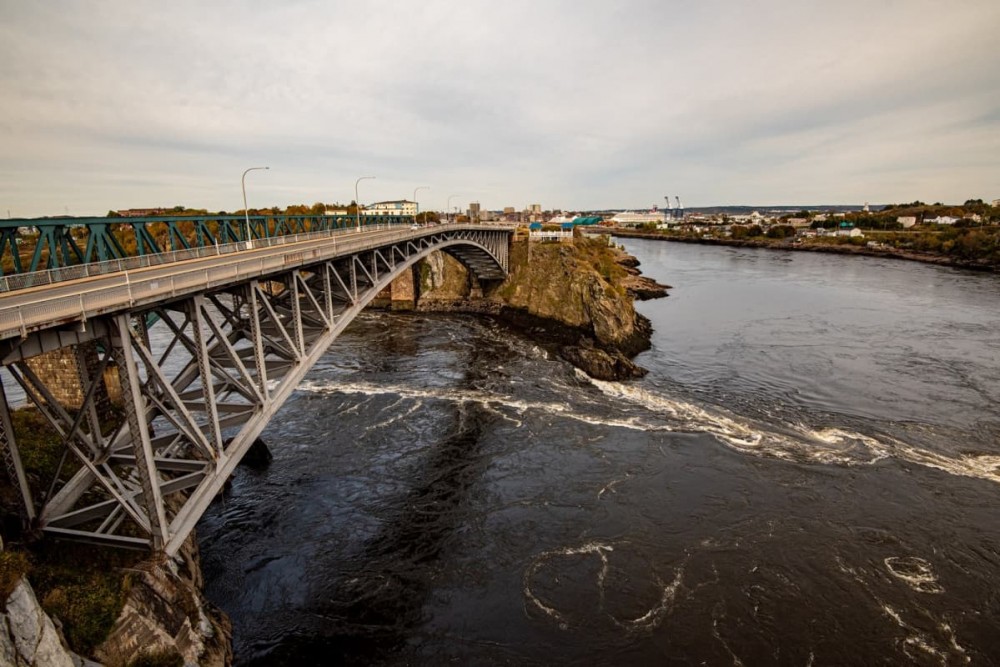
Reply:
x=242, y=329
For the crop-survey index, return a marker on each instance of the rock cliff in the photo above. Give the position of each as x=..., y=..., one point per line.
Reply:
x=164, y=620
x=28, y=636
x=166, y=616
x=577, y=296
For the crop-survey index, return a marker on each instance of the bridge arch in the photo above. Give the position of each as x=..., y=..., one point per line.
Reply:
x=200, y=387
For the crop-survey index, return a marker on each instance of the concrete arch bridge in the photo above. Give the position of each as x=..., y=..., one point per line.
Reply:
x=239, y=327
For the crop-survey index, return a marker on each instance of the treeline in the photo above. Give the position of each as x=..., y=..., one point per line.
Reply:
x=319, y=208
x=973, y=213
x=980, y=245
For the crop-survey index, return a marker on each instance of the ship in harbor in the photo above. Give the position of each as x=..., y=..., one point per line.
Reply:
x=654, y=215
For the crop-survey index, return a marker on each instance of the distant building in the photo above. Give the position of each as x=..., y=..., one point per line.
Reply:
x=907, y=221
x=852, y=232
x=631, y=219
x=474, y=212
x=798, y=223
x=395, y=207
x=996, y=202
x=335, y=211
x=942, y=220
x=141, y=212
x=509, y=210
x=535, y=209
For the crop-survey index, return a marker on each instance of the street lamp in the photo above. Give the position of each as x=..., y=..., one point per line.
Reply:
x=447, y=210
x=246, y=211
x=357, y=204
x=419, y=187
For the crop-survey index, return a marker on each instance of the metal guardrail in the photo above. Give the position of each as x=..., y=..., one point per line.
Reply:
x=61, y=274
x=128, y=290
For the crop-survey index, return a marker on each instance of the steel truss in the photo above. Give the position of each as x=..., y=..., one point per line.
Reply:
x=197, y=391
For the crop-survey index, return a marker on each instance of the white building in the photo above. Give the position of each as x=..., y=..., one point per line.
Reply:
x=907, y=221
x=396, y=207
x=943, y=220
x=630, y=219
x=853, y=232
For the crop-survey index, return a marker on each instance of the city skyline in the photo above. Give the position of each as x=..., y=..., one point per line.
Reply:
x=579, y=105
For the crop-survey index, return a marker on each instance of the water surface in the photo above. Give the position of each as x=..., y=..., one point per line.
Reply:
x=809, y=474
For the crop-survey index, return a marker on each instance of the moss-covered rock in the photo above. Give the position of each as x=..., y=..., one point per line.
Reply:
x=573, y=294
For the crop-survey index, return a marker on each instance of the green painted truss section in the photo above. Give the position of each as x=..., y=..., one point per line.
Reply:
x=28, y=245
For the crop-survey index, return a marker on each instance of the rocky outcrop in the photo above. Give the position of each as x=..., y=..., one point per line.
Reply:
x=577, y=297
x=165, y=619
x=165, y=616
x=29, y=637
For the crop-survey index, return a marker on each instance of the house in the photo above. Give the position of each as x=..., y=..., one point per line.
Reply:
x=798, y=223
x=395, y=207
x=906, y=221
x=852, y=232
x=943, y=220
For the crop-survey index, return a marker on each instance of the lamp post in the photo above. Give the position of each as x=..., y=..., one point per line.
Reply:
x=419, y=187
x=447, y=210
x=246, y=211
x=357, y=204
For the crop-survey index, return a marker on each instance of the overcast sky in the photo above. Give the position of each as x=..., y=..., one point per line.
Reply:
x=572, y=104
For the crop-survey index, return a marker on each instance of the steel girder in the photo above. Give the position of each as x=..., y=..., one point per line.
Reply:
x=197, y=390
x=58, y=240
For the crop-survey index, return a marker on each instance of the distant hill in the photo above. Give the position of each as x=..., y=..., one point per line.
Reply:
x=744, y=210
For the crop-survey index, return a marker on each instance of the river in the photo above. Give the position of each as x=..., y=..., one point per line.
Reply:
x=808, y=475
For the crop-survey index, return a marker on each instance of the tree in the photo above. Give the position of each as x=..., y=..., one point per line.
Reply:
x=780, y=232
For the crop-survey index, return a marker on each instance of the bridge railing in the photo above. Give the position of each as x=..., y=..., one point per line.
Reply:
x=38, y=278
x=21, y=312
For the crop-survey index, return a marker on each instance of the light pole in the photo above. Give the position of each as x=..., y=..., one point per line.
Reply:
x=415, y=205
x=447, y=210
x=357, y=204
x=246, y=211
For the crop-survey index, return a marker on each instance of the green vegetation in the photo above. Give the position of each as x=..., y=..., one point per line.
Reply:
x=82, y=586
x=970, y=244
x=13, y=566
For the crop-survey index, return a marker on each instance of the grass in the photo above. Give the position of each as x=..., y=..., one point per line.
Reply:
x=83, y=586
x=13, y=566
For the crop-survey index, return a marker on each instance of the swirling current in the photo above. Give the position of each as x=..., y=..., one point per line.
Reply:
x=809, y=475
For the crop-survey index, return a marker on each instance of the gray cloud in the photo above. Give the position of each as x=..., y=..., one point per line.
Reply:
x=569, y=104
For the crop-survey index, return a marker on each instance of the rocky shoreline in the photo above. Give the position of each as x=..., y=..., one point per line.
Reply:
x=578, y=300
x=841, y=249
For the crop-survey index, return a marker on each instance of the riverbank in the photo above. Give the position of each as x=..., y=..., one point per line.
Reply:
x=577, y=298
x=839, y=248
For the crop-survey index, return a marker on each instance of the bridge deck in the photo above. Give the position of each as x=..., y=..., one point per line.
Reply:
x=59, y=303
